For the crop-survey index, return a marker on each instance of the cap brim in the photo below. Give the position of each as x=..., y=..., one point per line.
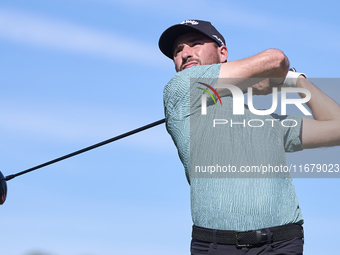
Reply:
x=169, y=36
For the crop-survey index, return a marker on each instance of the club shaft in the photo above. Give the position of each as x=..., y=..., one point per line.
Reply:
x=9, y=177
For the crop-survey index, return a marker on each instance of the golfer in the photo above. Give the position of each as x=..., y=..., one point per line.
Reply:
x=239, y=215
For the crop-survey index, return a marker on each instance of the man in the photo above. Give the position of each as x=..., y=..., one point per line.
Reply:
x=239, y=215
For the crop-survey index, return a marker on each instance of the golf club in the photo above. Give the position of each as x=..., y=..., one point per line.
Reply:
x=3, y=188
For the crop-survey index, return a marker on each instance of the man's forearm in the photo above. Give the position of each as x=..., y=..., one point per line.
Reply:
x=322, y=106
x=324, y=129
x=271, y=63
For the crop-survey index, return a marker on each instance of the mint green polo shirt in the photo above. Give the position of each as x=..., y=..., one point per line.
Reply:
x=236, y=203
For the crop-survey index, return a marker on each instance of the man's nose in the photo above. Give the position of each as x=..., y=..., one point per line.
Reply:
x=187, y=52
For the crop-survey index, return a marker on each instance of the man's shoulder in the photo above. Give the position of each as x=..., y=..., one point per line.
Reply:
x=181, y=80
x=199, y=71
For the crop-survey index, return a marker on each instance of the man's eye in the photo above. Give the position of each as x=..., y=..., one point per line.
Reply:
x=196, y=43
x=177, y=51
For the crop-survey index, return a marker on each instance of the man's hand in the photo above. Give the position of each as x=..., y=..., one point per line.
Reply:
x=264, y=87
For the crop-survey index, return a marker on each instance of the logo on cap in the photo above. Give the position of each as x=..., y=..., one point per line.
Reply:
x=192, y=22
x=218, y=39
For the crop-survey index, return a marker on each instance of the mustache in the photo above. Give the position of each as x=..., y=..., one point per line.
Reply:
x=190, y=60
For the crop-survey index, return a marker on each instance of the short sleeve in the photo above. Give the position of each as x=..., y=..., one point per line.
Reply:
x=292, y=126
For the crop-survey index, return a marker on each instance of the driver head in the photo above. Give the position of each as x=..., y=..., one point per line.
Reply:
x=3, y=189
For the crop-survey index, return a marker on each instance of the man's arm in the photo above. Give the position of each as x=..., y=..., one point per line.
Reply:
x=324, y=129
x=271, y=63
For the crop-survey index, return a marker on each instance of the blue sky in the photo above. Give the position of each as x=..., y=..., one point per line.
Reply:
x=74, y=73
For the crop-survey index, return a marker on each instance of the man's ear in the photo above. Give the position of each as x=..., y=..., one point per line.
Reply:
x=223, y=51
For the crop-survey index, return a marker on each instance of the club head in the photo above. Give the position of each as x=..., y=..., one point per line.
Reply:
x=3, y=189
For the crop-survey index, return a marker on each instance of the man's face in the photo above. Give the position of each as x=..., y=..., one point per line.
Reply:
x=195, y=49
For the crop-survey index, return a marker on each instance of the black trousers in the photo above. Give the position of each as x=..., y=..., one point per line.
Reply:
x=292, y=246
